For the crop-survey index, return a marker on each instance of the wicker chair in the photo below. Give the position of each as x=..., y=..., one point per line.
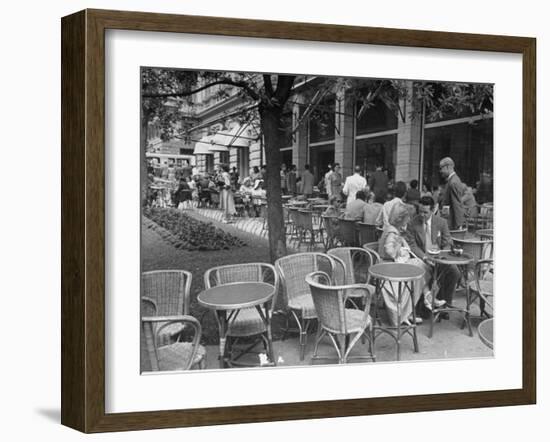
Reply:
x=366, y=232
x=337, y=321
x=459, y=233
x=248, y=322
x=170, y=290
x=297, y=296
x=177, y=355
x=481, y=287
x=355, y=258
x=331, y=235
x=308, y=227
x=372, y=247
x=348, y=232
x=478, y=248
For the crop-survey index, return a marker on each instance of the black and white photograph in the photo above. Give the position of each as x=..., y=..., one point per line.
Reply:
x=302, y=220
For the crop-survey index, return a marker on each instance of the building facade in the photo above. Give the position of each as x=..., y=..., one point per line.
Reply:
x=339, y=130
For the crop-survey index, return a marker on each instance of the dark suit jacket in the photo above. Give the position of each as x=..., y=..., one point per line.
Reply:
x=453, y=197
x=416, y=235
x=379, y=185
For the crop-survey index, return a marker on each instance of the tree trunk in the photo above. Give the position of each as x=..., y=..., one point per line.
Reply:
x=143, y=158
x=270, y=117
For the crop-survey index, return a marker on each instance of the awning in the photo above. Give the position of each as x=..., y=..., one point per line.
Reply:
x=235, y=137
x=202, y=147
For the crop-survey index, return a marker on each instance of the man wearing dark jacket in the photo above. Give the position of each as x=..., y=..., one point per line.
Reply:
x=378, y=184
x=426, y=231
x=452, y=195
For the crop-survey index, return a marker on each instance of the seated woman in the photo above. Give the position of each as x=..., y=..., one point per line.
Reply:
x=393, y=246
x=333, y=211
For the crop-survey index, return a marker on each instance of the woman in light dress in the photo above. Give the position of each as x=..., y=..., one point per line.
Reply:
x=226, y=197
x=393, y=246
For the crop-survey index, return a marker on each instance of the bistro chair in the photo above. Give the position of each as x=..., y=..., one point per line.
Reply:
x=372, y=247
x=248, y=321
x=177, y=355
x=330, y=227
x=170, y=291
x=458, y=233
x=366, y=232
x=293, y=270
x=308, y=227
x=481, y=288
x=477, y=247
x=344, y=326
x=356, y=260
x=348, y=232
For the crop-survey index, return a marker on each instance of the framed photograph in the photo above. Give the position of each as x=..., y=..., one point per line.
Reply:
x=267, y=221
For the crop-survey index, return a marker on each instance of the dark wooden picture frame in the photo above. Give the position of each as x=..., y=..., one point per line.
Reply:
x=83, y=220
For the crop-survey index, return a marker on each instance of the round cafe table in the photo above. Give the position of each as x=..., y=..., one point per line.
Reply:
x=227, y=300
x=485, y=331
x=396, y=279
x=448, y=258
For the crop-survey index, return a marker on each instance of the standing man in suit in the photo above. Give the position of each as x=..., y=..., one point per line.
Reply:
x=379, y=185
x=353, y=184
x=425, y=231
x=452, y=195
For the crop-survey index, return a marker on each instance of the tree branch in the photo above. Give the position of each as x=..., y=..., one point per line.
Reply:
x=241, y=84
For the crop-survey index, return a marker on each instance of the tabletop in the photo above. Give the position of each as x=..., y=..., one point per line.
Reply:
x=446, y=257
x=236, y=295
x=395, y=271
x=485, y=330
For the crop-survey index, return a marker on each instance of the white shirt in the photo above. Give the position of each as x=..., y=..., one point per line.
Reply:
x=353, y=184
x=327, y=183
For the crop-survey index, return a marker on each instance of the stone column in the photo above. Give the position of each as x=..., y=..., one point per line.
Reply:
x=407, y=161
x=344, y=131
x=300, y=138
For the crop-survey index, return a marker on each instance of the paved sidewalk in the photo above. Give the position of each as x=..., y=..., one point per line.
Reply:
x=449, y=341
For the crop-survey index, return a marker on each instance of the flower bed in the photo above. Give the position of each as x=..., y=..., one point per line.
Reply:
x=187, y=233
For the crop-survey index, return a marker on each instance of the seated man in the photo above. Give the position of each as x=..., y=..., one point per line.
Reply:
x=428, y=230
x=355, y=208
x=372, y=210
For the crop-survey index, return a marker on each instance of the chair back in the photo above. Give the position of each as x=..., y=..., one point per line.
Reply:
x=357, y=262
x=478, y=248
x=459, y=233
x=148, y=354
x=329, y=301
x=366, y=232
x=348, y=232
x=168, y=289
x=247, y=272
x=293, y=270
x=305, y=219
x=329, y=226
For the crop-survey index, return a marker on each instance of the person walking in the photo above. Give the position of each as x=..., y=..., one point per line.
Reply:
x=379, y=184
x=291, y=180
x=283, y=172
x=307, y=182
x=226, y=195
x=327, y=181
x=335, y=182
x=452, y=195
x=353, y=184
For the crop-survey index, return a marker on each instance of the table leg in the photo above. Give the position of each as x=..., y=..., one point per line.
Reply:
x=267, y=321
x=222, y=324
x=468, y=300
x=434, y=294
